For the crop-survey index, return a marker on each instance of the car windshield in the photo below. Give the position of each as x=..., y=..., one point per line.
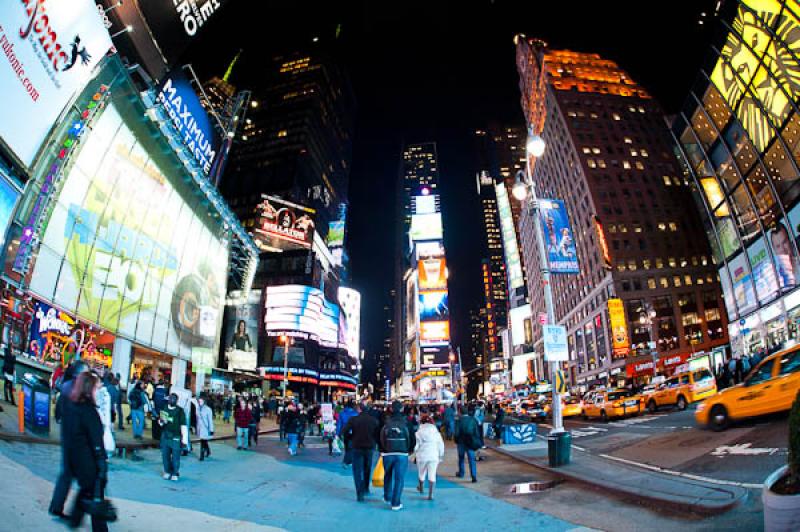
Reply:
x=614, y=396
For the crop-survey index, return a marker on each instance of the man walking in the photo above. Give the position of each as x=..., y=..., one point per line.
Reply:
x=468, y=440
x=449, y=421
x=9, y=363
x=136, y=400
x=397, y=442
x=361, y=433
x=174, y=432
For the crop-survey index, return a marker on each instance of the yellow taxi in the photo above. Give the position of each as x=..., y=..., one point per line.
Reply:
x=607, y=404
x=770, y=387
x=682, y=389
x=570, y=407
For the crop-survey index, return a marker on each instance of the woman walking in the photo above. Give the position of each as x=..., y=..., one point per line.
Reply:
x=205, y=426
x=84, y=453
x=242, y=416
x=429, y=451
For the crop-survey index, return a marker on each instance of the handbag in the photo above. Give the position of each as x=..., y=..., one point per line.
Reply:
x=100, y=507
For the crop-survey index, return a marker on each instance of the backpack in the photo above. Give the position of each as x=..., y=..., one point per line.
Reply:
x=135, y=400
x=395, y=436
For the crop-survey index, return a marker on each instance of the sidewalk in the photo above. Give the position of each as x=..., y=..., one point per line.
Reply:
x=657, y=488
x=9, y=430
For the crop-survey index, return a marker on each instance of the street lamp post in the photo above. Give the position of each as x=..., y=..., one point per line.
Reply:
x=285, y=341
x=526, y=189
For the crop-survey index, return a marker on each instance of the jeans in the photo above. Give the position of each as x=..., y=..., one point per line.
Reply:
x=450, y=428
x=242, y=437
x=362, y=470
x=226, y=415
x=138, y=422
x=171, y=455
x=61, y=490
x=252, y=434
x=293, y=441
x=394, y=477
x=462, y=450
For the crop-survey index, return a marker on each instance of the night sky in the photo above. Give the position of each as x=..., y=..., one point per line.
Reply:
x=435, y=71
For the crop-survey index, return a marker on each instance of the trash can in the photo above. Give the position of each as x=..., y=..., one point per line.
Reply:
x=36, y=392
x=559, y=448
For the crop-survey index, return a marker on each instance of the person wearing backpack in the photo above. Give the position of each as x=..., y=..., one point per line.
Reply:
x=136, y=402
x=397, y=442
x=468, y=439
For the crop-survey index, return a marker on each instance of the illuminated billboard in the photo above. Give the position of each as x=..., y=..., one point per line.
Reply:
x=283, y=225
x=430, y=249
x=513, y=262
x=432, y=274
x=51, y=48
x=433, y=306
x=190, y=119
x=425, y=204
x=521, y=327
x=303, y=312
x=756, y=70
x=350, y=300
x=433, y=333
x=126, y=249
x=335, y=237
x=620, y=341
x=426, y=226
x=562, y=257
x=602, y=243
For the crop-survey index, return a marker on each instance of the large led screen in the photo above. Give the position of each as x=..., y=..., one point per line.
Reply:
x=303, y=311
x=50, y=48
x=432, y=274
x=126, y=250
x=510, y=247
x=433, y=306
x=434, y=333
x=350, y=300
x=758, y=66
x=426, y=226
x=283, y=225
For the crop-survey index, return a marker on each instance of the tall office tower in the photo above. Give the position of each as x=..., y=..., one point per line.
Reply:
x=476, y=357
x=633, y=285
x=422, y=314
x=738, y=137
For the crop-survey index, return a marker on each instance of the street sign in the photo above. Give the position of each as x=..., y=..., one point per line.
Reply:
x=555, y=343
x=561, y=382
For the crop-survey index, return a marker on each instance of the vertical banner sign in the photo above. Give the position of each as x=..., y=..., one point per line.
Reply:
x=619, y=328
x=562, y=257
x=513, y=264
x=197, y=132
x=555, y=343
x=602, y=243
x=49, y=50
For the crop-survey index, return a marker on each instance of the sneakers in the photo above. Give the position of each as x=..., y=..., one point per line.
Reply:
x=397, y=508
x=165, y=476
x=174, y=478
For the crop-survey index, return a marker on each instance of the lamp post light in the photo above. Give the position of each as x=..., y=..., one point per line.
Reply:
x=284, y=339
x=524, y=189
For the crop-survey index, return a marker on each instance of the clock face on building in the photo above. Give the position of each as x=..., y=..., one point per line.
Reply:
x=758, y=73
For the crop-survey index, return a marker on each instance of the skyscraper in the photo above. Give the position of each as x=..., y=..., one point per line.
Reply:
x=737, y=136
x=642, y=281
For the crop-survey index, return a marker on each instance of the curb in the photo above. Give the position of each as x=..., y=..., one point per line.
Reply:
x=657, y=502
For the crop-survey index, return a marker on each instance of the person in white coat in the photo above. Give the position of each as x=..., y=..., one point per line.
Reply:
x=205, y=426
x=104, y=406
x=429, y=452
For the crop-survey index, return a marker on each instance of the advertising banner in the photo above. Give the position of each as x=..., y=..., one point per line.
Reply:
x=56, y=337
x=8, y=200
x=513, y=262
x=125, y=250
x=562, y=256
x=196, y=130
x=434, y=333
x=433, y=306
x=434, y=356
x=521, y=329
x=425, y=204
x=50, y=48
x=241, y=332
x=432, y=274
x=175, y=24
x=555, y=343
x=763, y=273
x=335, y=234
x=283, y=225
x=620, y=342
x=426, y=226
x=350, y=300
x=602, y=243
x=431, y=249
x=302, y=311
x=742, y=284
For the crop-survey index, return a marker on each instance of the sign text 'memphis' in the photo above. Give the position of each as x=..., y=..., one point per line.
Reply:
x=193, y=137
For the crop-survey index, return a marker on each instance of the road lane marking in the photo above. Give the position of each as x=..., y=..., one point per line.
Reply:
x=683, y=475
x=743, y=449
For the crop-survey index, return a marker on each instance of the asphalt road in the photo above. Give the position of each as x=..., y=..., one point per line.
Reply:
x=745, y=453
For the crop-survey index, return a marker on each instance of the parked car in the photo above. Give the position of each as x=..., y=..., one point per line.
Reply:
x=683, y=389
x=608, y=404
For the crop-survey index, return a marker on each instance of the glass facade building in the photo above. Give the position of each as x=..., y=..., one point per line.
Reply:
x=738, y=137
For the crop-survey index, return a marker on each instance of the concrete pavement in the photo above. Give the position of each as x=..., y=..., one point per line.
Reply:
x=241, y=490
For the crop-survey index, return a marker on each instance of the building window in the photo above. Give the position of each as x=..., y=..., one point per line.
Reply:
x=677, y=281
x=621, y=266
x=662, y=226
x=672, y=262
x=659, y=262
x=626, y=165
x=639, y=165
x=667, y=180
x=651, y=283
x=615, y=116
x=663, y=282
x=687, y=280
x=645, y=264
x=632, y=265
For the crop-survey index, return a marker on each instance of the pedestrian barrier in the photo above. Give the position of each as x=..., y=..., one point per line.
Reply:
x=519, y=434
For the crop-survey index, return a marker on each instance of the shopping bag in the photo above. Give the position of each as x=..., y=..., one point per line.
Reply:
x=338, y=445
x=377, y=474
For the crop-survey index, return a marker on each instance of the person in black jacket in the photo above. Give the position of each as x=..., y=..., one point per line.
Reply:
x=82, y=440
x=9, y=362
x=468, y=439
x=397, y=442
x=361, y=433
